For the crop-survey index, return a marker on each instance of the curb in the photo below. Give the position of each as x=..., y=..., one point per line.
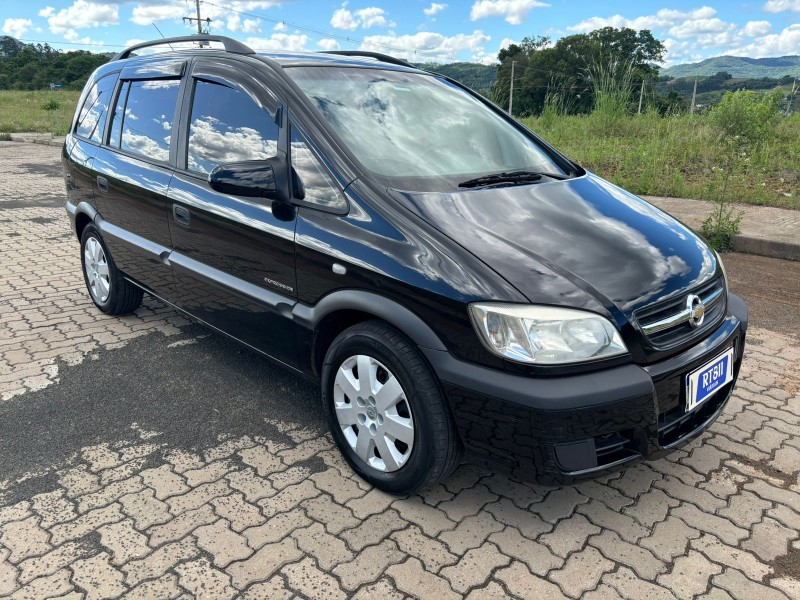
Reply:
x=764, y=247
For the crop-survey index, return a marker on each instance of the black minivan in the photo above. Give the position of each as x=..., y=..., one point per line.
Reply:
x=452, y=281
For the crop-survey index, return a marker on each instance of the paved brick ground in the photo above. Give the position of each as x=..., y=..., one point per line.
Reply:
x=281, y=515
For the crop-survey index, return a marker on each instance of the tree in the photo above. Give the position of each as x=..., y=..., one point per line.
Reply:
x=564, y=67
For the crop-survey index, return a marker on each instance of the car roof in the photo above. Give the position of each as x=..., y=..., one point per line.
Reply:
x=324, y=59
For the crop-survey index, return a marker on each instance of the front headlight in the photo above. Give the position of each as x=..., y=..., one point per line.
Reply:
x=545, y=335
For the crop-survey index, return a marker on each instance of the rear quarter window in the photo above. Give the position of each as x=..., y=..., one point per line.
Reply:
x=92, y=116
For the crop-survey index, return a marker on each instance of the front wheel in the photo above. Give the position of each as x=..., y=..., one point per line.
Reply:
x=386, y=411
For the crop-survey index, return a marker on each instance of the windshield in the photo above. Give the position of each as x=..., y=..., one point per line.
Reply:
x=418, y=131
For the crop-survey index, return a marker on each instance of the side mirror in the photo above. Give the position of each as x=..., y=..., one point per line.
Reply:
x=251, y=178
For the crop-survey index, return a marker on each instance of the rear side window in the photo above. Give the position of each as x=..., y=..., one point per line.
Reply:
x=92, y=118
x=227, y=125
x=147, y=117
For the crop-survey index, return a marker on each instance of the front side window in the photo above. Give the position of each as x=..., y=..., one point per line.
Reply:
x=317, y=185
x=148, y=116
x=227, y=125
x=418, y=129
x=92, y=118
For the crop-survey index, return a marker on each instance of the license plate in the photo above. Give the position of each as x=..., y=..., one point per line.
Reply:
x=703, y=382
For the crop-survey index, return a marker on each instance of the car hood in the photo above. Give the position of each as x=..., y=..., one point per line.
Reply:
x=547, y=239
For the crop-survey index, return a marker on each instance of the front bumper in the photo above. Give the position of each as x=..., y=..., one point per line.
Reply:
x=561, y=428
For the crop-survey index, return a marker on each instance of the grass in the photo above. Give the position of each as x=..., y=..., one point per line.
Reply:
x=25, y=111
x=680, y=156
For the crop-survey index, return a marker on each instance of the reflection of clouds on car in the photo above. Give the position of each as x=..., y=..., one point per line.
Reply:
x=147, y=146
x=318, y=187
x=212, y=143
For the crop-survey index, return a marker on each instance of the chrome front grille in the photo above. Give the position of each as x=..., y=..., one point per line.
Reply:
x=669, y=323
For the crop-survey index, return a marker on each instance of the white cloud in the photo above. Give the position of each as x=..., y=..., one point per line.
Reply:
x=328, y=44
x=775, y=44
x=365, y=18
x=505, y=43
x=145, y=15
x=251, y=26
x=81, y=15
x=754, y=28
x=280, y=27
x=429, y=46
x=434, y=8
x=17, y=28
x=344, y=19
x=664, y=19
x=775, y=6
x=47, y=12
x=373, y=17
x=289, y=42
x=514, y=11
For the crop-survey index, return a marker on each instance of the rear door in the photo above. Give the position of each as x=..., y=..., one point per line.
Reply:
x=233, y=257
x=133, y=171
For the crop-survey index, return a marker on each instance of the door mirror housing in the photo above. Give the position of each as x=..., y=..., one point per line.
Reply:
x=252, y=179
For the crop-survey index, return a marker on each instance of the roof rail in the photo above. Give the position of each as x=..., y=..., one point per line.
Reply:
x=376, y=55
x=229, y=44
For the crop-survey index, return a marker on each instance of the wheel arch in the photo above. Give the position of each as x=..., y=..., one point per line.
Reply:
x=342, y=309
x=85, y=213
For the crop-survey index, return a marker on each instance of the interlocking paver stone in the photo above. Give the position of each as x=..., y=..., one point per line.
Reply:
x=689, y=575
x=372, y=530
x=328, y=549
x=522, y=583
x=412, y=578
x=274, y=589
x=261, y=565
x=669, y=538
x=98, y=577
x=770, y=539
x=527, y=522
x=222, y=543
x=569, y=535
x=163, y=588
x=471, y=532
x=632, y=587
x=641, y=560
x=181, y=525
x=368, y=565
x=203, y=581
x=582, y=572
x=742, y=588
x=251, y=485
x=124, y=541
x=333, y=516
x=474, y=568
x=433, y=553
x=238, y=512
x=159, y=561
x=145, y=509
x=276, y=528
x=24, y=538
x=53, y=507
x=50, y=586
x=538, y=557
x=164, y=482
x=431, y=520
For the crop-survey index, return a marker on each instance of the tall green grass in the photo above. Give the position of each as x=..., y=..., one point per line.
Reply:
x=681, y=156
x=28, y=111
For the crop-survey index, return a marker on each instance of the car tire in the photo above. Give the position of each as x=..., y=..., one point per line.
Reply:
x=403, y=393
x=109, y=290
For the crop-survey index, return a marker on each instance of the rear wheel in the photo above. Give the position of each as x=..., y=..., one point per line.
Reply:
x=386, y=410
x=110, y=291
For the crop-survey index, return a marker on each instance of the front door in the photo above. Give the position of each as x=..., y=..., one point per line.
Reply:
x=233, y=257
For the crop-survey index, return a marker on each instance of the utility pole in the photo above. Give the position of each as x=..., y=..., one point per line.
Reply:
x=694, y=94
x=198, y=19
x=511, y=89
x=641, y=93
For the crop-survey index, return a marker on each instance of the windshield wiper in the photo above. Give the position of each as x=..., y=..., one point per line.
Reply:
x=509, y=177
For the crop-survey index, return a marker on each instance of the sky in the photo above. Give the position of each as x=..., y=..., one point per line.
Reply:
x=418, y=30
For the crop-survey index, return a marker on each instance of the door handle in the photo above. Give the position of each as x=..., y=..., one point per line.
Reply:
x=182, y=215
x=102, y=184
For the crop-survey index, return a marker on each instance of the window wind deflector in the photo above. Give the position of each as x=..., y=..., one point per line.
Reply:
x=513, y=177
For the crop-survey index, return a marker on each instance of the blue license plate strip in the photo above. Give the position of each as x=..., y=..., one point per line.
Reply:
x=703, y=382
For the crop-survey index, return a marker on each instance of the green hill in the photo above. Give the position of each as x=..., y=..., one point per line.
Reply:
x=738, y=66
x=478, y=77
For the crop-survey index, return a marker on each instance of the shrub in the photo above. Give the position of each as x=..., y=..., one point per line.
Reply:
x=5, y=137
x=51, y=104
x=744, y=118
